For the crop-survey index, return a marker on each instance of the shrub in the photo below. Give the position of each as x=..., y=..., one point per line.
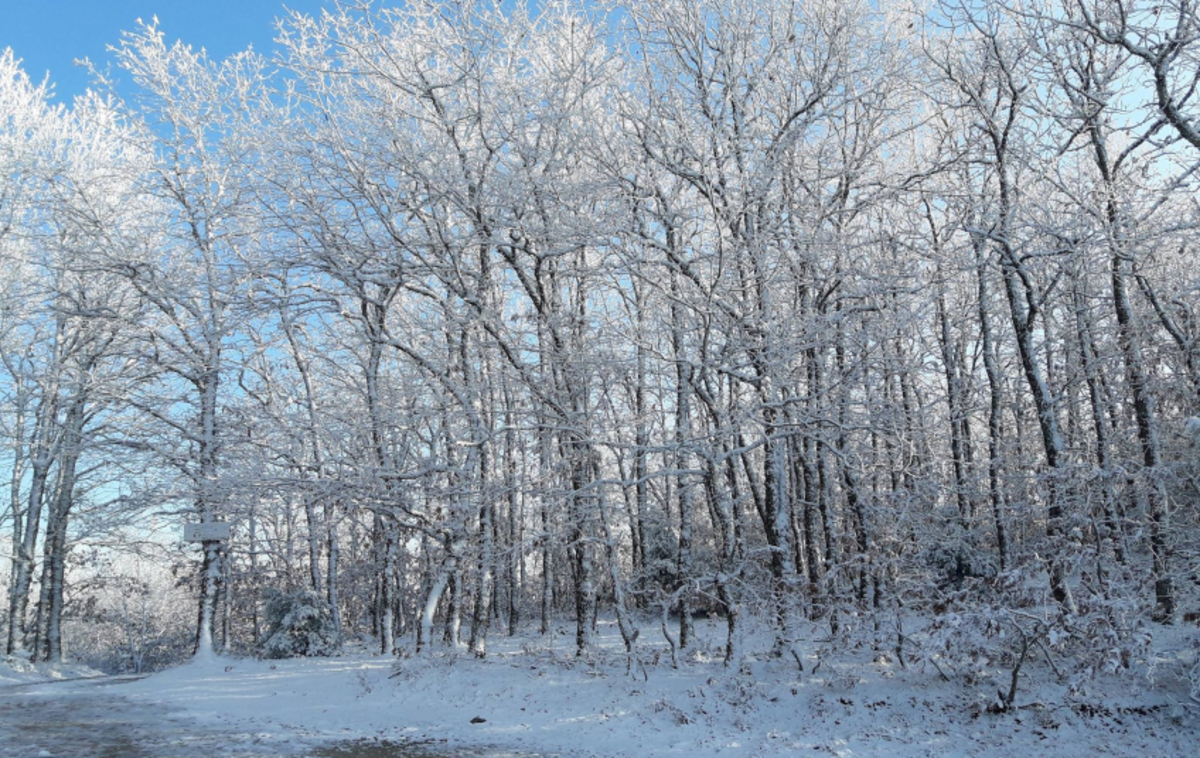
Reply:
x=298, y=624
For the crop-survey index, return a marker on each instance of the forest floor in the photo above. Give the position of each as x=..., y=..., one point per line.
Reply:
x=533, y=697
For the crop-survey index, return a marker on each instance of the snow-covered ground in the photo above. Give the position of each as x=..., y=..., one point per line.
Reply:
x=535, y=697
x=18, y=670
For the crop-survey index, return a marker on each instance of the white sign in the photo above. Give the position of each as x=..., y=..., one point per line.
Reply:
x=213, y=531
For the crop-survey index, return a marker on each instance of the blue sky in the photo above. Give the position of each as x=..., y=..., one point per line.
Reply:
x=49, y=34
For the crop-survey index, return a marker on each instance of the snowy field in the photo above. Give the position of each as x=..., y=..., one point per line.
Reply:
x=535, y=698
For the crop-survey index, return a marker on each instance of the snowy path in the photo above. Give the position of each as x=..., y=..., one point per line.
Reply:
x=91, y=719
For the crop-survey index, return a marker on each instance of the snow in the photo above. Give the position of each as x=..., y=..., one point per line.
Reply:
x=535, y=697
x=17, y=670
x=1192, y=428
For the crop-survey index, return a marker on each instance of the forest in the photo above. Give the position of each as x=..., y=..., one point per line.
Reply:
x=469, y=318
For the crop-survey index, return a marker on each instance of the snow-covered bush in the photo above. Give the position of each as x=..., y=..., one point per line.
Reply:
x=125, y=618
x=956, y=559
x=298, y=624
x=990, y=635
x=1191, y=427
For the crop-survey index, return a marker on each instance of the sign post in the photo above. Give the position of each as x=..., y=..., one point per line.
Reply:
x=212, y=531
x=213, y=535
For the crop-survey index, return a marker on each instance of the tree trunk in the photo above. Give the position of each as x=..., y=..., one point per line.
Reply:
x=995, y=408
x=43, y=450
